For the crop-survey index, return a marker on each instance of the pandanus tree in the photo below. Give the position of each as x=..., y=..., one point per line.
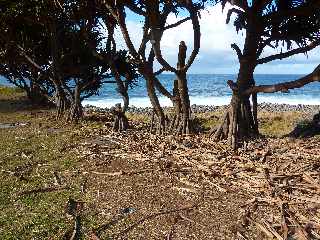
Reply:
x=54, y=48
x=291, y=26
x=155, y=15
x=181, y=123
x=24, y=58
x=122, y=68
x=84, y=64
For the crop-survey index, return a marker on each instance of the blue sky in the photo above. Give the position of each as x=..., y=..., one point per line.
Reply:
x=215, y=55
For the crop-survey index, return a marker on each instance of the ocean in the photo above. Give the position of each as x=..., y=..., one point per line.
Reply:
x=208, y=89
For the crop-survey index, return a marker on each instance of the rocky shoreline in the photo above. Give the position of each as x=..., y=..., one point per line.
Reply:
x=268, y=107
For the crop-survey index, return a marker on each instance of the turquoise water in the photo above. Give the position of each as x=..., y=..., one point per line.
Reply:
x=208, y=89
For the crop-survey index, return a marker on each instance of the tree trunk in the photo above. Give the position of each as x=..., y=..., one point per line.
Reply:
x=35, y=95
x=183, y=113
x=120, y=120
x=61, y=102
x=160, y=116
x=240, y=121
x=175, y=121
x=76, y=110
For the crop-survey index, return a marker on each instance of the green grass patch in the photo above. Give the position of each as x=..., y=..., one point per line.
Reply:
x=278, y=124
x=9, y=91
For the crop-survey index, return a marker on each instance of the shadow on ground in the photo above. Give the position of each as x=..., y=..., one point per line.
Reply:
x=307, y=129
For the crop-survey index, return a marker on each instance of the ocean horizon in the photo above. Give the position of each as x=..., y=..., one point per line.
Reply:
x=207, y=89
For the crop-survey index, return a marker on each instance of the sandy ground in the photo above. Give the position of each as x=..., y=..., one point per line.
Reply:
x=60, y=180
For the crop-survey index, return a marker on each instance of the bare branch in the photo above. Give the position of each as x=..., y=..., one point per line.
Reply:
x=289, y=53
x=312, y=77
x=196, y=36
x=233, y=10
x=145, y=39
x=177, y=23
x=237, y=49
x=162, y=89
x=159, y=71
x=23, y=52
x=125, y=33
x=157, y=32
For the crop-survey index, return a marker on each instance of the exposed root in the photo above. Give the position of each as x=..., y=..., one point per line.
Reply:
x=180, y=125
x=238, y=123
x=120, y=120
x=158, y=125
x=75, y=113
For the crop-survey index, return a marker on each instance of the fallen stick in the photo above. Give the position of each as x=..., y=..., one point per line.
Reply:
x=153, y=215
x=43, y=190
x=272, y=230
x=221, y=189
x=264, y=230
x=76, y=229
x=190, y=220
x=306, y=199
x=111, y=174
x=311, y=181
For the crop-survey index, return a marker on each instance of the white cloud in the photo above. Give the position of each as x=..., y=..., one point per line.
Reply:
x=216, y=55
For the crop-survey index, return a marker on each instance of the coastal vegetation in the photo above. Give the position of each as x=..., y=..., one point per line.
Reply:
x=229, y=172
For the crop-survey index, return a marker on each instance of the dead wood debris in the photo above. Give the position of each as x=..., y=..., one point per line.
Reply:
x=282, y=175
x=153, y=215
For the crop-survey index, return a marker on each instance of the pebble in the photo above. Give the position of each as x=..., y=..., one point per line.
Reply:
x=270, y=107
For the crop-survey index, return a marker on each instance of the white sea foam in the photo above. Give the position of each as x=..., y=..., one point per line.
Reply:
x=215, y=101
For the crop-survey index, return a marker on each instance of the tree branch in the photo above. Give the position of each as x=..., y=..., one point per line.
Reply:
x=157, y=32
x=177, y=23
x=196, y=35
x=237, y=49
x=239, y=3
x=162, y=89
x=23, y=52
x=135, y=9
x=303, y=11
x=262, y=45
x=233, y=10
x=159, y=71
x=280, y=56
x=145, y=39
x=312, y=77
x=125, y=33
